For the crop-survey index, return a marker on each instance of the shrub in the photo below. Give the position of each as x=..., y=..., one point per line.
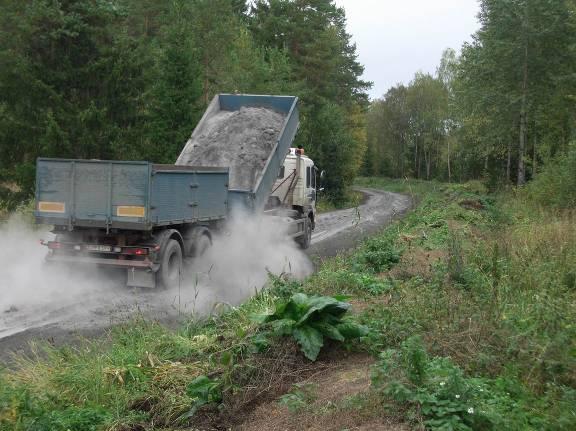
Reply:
x=437, y=390
x=556, y=185
x=311, y=318
x=377, y=255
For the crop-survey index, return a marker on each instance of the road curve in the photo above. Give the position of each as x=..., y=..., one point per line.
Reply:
x=340, y=230
x=91, y=314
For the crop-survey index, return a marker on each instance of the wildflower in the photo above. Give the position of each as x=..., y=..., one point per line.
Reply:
x=457, y=396
x=442, y=383
x=471, y=410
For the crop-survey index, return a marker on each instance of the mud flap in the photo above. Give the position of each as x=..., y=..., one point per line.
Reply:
x=136, y=277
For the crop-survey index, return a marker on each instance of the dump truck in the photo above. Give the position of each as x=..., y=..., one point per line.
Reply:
x=147, y=218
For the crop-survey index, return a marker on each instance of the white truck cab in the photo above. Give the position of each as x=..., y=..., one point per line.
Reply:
x=294, y=192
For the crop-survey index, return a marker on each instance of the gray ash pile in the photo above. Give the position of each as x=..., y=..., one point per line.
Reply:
x=241, y=140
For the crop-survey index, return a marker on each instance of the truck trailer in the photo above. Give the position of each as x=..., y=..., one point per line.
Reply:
x=147, y=218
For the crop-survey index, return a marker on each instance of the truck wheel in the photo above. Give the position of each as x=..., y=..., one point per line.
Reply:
x=203, y=243
x=171, y=265
x=196, y=241
x=305, y=240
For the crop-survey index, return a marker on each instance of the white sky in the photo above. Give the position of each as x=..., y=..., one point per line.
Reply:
x=397, y=38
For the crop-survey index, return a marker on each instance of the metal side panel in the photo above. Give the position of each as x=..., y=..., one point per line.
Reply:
x=233, y=102
x=212, y=195
x=180, y=196
x=129, y=197
x=241, y=200
x=270, y=172
x=172, y=198
x=53, y=198
x=94, y=193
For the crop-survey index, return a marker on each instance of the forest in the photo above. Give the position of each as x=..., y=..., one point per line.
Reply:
x=500, y=110
x=129, y=79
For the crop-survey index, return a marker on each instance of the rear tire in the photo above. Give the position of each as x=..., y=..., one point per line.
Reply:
x=305, y=240
x=203, y=243
x=170, y=271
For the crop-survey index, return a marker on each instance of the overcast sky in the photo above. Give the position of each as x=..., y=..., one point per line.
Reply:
x=397, y=38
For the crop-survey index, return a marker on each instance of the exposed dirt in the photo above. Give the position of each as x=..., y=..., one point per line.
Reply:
x=83, y=315
x=472, y=204
x=417, y=262
x=337, y=397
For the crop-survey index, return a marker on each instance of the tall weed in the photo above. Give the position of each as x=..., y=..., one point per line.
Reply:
x=555, y=186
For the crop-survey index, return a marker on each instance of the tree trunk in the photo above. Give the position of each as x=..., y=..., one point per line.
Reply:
x=509, y=161
x=416, y=165
x=205, y=85
x=402, y=141
x=534, y=161
x=523, y=121
x=449, y=172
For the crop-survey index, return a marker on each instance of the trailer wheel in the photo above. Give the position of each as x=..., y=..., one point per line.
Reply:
x=305, y=240
x=171, y=264
x=203, y=243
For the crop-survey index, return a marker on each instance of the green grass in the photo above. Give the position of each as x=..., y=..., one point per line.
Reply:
x=488, y=283
x=23, y=211
x=351, y=199
x=138, y=373
x=470, y=301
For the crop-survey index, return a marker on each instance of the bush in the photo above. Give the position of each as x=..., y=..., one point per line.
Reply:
x=309, y=319
x=438, y=391
x=377, y=255
x=556, y=185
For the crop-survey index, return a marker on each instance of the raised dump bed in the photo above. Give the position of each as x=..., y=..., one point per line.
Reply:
x=249, y=134
x=127, y=195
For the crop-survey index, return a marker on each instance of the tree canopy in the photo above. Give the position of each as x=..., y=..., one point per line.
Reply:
x=499, y=110
x=129, y=79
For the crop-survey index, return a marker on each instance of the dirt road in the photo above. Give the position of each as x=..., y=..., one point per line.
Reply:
x=88, y=310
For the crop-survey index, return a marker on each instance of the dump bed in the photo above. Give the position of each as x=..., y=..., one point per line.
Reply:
x=127, y=195
x=251, y=135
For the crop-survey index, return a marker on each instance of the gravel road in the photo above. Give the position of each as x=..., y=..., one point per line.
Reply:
x=92, y=312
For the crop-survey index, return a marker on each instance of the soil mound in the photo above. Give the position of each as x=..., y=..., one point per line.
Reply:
x=241, y=140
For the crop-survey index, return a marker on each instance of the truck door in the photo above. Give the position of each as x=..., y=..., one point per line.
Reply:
x=310, y=184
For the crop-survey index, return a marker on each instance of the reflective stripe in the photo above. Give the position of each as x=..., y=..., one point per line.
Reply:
x=130, y=211
x=52, y=207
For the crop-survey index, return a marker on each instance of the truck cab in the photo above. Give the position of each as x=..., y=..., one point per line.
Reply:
x=295, y=191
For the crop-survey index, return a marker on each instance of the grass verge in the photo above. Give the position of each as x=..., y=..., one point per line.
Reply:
x=352, y=198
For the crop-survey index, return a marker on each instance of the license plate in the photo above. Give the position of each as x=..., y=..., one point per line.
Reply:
x=99, y=248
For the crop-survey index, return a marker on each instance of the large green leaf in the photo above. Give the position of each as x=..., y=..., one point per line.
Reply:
x=283, y=326
x=278, y=313
x=310, y=340
x=326, y=305
x=328, y=330
x=295, y=308
x=300, y=299
x=204, y=389
x=261, y=317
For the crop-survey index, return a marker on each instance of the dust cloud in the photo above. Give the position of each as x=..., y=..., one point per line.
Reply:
x=242, y=257
x=25, y=280
x=34, y=295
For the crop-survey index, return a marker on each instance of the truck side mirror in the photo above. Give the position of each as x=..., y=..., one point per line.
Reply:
x=322, y=175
